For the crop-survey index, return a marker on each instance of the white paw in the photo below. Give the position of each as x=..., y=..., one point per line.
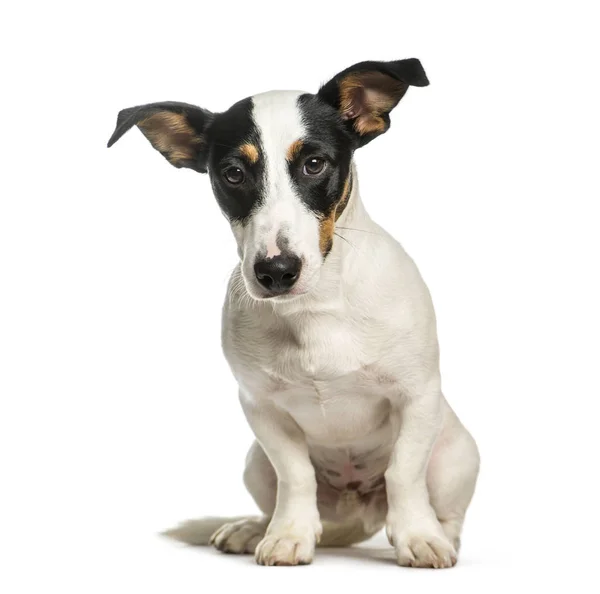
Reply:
x=289, y=545
x=240, y=537
x=422, y=548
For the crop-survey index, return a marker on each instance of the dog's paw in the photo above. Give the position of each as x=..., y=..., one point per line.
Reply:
x=422, y=548
x=289, y=545
x=241, y=536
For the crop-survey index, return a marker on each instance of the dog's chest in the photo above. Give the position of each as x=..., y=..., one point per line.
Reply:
x=321, y=348
x=322, y=371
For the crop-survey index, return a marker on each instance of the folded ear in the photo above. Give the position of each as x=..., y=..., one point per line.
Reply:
x=176, y=130
x=365, y=94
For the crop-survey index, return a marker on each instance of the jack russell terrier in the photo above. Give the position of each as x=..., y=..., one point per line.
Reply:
x=333, y=342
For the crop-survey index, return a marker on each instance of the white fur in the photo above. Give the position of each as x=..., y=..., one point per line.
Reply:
x=282, y=213
x=347, y=371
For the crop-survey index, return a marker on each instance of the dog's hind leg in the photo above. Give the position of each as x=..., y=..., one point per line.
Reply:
x=451, y=477
x=260, y=479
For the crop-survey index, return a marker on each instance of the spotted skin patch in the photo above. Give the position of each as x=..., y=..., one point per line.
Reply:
x=353, y=485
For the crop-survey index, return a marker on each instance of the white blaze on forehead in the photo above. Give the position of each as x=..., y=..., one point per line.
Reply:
x=279, y=123
x=281, y=214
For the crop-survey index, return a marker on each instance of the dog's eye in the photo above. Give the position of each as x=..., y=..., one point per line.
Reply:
x=313, y=166
x=233, y=176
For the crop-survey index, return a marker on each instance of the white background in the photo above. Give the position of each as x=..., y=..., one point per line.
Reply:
x=118, y=414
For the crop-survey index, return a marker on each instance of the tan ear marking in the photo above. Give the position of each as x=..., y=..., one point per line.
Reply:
x=366, y=124
x=294, y=150
x=365, y=96
x=171, y=134
x=250, y=152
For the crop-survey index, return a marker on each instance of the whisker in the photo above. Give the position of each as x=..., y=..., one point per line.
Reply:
x=362, y=230
x=226, y=145
x=342, y=237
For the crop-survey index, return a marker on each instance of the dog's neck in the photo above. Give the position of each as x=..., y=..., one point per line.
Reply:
x=352, y=229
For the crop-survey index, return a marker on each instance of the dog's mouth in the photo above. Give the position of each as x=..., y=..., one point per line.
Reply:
x=264, y=295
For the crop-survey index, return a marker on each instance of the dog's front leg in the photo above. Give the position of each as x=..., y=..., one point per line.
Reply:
x=412, y=526
x=295, y=527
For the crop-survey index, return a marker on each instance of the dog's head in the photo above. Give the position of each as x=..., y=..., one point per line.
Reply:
x=280, y=164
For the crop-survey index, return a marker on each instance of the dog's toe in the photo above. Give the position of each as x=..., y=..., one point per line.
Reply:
x=285, y=550
x=239, y=537
x=425, y=551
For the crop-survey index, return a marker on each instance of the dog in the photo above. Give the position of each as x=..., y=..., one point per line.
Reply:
x=333, y=342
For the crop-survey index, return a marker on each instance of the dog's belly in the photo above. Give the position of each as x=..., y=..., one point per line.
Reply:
x=359, y=467
x=351, y=482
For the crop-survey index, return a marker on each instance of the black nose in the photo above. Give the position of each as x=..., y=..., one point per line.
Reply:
x=278, y=274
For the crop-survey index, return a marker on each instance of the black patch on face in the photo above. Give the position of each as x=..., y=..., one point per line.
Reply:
x=227, y=133
x=326, y=137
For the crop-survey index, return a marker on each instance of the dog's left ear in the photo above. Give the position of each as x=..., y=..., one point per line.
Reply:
x=365, y=94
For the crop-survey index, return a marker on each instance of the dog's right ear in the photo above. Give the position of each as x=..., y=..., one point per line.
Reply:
x=176, y=130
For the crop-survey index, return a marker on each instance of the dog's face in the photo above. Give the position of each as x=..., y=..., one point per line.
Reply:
x=280, y=164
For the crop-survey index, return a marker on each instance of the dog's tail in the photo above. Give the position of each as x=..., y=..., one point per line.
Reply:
x=198, y=532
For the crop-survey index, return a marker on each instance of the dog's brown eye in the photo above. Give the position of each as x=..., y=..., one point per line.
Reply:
x=234, y=176
x=313, y=166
